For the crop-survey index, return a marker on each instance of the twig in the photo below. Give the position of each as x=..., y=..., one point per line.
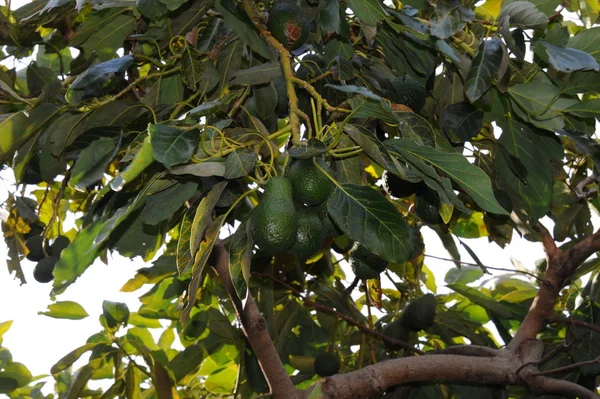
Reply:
x=567, y=368
x=486, y=266
x=326, y=309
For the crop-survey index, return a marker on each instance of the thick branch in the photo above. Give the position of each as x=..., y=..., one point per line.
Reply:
x=375, y=379
x=255, y=329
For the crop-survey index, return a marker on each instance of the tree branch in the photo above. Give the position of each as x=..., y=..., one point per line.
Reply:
x=255, y=329
x=375, y=379
x=396, y=343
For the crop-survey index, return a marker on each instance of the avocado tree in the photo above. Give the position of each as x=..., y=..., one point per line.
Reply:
x=250, y=149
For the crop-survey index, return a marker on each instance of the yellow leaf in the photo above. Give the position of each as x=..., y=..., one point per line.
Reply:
x=489, y=10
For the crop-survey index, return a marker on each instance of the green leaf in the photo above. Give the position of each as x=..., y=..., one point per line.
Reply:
x=105, y=42
x=481, y=299
x=366, y=216
x=162, y=205
x=165, y=91
x=91, y=83
x=243, y=27
x=187, y=361
x=171, y=145
x=589, y=108
x=461, y=122
x=12, y=133
x=240, y=163
x=463, y=276
x=200, y=259
x=66, y=310
x=257, y=75
x=47, y=57
x=539, y=100
x=587, y=40
x=203, y=217
x=484, y=68
x=368, y=11
x=450, y=17
x=414, y=126
x=535, y=152
x=92, y=163
x=115, y=313
x=369, y=109
x=569, y=60
x=192, y=70
x=240, y=253
x=4, y=327
x=581, y=82
x=18, y=373
x=152, y=9
x=521, y=14
x=471, y=178
x=359, y=90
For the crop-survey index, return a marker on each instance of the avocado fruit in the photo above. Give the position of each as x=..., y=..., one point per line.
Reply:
x=32, y=173
x=408, y=91
x=361, y=252
x=310, y=186
x=273, y=223
x=327, y=364
x=310, y=234
x=506, y=202
x=419, y=313
x=287, y=24
x=35, y=245
x=362, y=270
x=397, y=330
x=399, y=188
x=427, y=204
x=35, y=229
x=42, y=272
x=329, y=228
x=59, y=244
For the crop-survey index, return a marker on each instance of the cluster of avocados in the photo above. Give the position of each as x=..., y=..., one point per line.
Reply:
x=418, y=314
x=45, y=255
x=292, y=213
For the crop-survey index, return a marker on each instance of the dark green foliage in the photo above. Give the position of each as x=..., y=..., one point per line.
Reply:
x=327, y=364
x=273, y=223
x=362, y=269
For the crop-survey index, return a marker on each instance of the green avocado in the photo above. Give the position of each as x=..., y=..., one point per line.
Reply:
x=362, y=270
x=329, y=227
x=59, y=244
x=419, y=314
x=282, y=107
x=35, y=229
x=327, y=364
x=397, y=330
x=273, y=223
x=397, y=187
x=408, y=91
x=361, y=252
x=35, y=245
x=427, y=204
x=42, y=272
x=310, y=186
x=310, y=234
x=287, y=24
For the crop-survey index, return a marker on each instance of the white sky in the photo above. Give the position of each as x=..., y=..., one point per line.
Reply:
x=39, y=341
